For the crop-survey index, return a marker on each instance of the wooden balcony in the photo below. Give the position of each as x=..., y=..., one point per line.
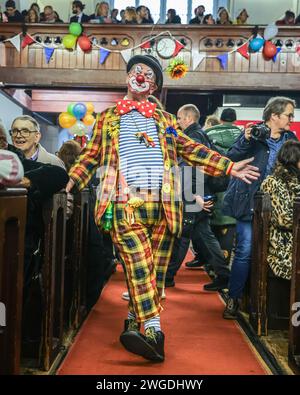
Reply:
x=77, y=69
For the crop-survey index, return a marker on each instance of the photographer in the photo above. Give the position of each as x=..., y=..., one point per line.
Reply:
x=262, y=142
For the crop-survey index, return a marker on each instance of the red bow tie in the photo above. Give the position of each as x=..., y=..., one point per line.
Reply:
x=146, y=108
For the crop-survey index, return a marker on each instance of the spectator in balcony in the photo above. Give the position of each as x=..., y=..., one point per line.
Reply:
x=122, y=16
x=211, y=120
x=199, y=15
x=26, y=135
x=48, y=15
x=289, y=19
x=102, y=13
x=172, y=17
x=241, y=18
x=114, y=15
x=148, y=18
x=12, y=14
x=77, y=10
x=141, y=14
x=130, y=16
x=57, y=18
x=223, y=17
x=34, y=6
x=283, y=186
x=32, y=16
x=209, y=20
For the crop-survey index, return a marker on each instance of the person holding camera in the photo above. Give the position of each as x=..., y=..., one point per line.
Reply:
x=261, y=141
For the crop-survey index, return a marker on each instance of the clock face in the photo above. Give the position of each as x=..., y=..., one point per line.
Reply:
x=165, y=47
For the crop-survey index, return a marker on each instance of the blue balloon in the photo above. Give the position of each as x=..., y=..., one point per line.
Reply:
x=79, y=110
x=256, y=44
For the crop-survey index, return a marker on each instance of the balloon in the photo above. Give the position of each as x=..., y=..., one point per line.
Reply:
x=90, y=107
x=88, y=119
x=269, y=50
x=70, y=108
x=66, y=120
x=79, y=129
x=84, y=43
x=75, y=28
x=270, y=31
x=79, y=110
x=256, y=44
x=69, y=41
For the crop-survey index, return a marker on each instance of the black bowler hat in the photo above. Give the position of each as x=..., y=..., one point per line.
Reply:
x=150, y=61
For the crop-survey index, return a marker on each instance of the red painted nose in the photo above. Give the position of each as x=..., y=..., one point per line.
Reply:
x=140, y=79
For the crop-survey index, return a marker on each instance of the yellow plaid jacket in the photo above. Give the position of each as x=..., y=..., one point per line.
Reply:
x=103, y=151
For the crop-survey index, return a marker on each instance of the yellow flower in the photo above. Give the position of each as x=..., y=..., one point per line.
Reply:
x=177, y=69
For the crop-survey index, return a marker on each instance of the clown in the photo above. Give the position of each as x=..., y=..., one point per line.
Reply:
x=140, y=193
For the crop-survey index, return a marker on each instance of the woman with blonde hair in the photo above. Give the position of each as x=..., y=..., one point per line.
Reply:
x=241, y=18
x=223, y=17
x=32, y=16
x=130, y=16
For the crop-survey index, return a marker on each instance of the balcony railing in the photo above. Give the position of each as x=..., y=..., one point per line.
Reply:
x=78, y=69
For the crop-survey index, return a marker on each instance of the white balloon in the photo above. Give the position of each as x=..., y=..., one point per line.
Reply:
x=270, y=31
x=79, y=129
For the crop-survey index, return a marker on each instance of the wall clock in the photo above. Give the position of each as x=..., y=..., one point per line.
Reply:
x=165, y=47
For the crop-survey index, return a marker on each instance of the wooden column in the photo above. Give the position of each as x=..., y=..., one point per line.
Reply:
x=294, y=330
x=12, y=233
x=258, y=284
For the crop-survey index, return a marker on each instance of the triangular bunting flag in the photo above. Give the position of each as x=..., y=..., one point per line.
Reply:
x=27, y=40
x=298, y=50
x=146, y=45
x=197, y=59
x=275, y=56
x=243, y=50
x=103, y=55
x=178, y=48
x=16, y=42
x=48, y=53
x=126, y=54
x=224, y=60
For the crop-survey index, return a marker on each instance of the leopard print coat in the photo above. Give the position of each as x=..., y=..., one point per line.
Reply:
x=281, y=233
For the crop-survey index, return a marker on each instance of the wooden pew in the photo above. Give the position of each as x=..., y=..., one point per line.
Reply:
x=258, y=280
x=76, y=261
x=13, y=203
x=294, y=329
x=53, y=279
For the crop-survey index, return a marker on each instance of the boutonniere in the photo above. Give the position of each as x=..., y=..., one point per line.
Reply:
x=171, y=130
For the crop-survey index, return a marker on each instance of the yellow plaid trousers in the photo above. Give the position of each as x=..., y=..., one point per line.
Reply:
x=145, y=248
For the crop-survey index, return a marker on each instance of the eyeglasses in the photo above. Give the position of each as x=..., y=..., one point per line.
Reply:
x=290, y=116
x=23, y=132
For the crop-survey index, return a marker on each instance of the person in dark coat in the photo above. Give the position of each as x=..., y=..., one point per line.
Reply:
x=13, y=15
x=188, y=119
x=79, y=16
x=263, y=146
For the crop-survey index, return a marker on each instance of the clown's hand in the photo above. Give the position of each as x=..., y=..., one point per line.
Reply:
x=244, y=171
x=70, y=185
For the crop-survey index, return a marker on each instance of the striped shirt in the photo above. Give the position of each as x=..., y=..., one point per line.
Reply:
x=141, y=166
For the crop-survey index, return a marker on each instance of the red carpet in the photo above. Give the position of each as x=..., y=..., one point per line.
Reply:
x=198, y=340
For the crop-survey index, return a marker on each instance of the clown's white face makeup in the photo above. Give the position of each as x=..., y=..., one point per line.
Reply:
x=140, y=82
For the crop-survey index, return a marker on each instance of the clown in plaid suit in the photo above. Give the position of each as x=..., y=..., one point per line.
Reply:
x=145, y=245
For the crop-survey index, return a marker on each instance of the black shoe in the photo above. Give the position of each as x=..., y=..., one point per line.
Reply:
x=131, y=325
x=217, y=284
x=231, y=309
x=169, y=282
x=150, y=347
x=194, y=264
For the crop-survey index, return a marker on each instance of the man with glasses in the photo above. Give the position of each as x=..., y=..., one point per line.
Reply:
x=263, y=143
x=25, y=133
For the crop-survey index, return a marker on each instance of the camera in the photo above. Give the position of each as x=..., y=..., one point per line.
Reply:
x=208, y=198
x=260, y=132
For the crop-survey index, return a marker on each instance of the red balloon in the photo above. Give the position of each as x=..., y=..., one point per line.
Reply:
x=270, y=50
x=84, y=43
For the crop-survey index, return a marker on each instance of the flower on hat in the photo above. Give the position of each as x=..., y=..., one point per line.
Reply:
x=177, y=69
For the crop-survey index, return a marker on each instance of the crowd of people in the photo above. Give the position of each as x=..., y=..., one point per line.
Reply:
x=130, y=15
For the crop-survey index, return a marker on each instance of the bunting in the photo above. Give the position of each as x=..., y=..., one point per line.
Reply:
x=48, y=54
x=244, y=50
x=223, y=60
x=197, y=59
x=275, y=56
x=15, y=41
x=126, y=54
x=103, y=55
x=146, y=45
x=27, y=40
x=178, y=48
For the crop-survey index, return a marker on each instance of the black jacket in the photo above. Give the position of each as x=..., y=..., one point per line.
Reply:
x=84, y=19
x=239, y=197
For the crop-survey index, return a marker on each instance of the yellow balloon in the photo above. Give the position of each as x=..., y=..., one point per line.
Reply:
x=66, y=120
x=90, y=107
x=88, y=119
